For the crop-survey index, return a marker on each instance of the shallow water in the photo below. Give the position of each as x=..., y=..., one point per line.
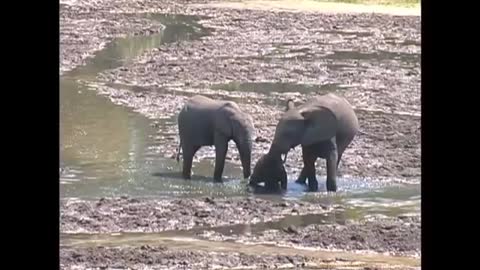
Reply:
x=109, y=150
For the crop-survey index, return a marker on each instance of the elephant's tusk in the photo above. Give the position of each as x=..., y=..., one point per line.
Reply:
x=285, y=158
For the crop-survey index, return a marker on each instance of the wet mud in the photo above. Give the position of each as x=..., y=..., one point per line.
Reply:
x=143, y=215
x=163, y=257
x=149, y=257
x=397, y=236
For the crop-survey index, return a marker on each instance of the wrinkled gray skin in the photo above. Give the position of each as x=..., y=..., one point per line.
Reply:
x=206, y=122
x=269, y=170
x=324, y=126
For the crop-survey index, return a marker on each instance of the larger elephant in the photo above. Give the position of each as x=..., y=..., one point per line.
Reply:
x=206, y=122
x=324, y=126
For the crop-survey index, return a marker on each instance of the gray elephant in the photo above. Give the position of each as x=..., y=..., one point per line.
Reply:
x=206, y=122
x=269, y=170
x=324, y=126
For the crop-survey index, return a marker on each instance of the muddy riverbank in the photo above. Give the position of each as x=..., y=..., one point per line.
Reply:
x=162, y=257
x=148, y=257
x=142, y=215
x=398, y=236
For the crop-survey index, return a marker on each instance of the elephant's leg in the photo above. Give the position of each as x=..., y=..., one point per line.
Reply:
x=332, y=163
x=283, y=179
x=302, y=178
x=339, y=157
x=221, y=147
x=342, y=144
x=309, y=159
x=188, y=153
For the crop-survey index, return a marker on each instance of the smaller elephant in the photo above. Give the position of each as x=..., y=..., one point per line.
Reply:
x=206, y=122
x=269, y=170
x=324, y=126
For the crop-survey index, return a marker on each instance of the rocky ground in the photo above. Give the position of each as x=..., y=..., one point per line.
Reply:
x=258, y=59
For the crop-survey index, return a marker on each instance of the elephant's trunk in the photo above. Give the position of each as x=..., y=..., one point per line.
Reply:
x=245, y=151
x=243, y=134
x=277, y=149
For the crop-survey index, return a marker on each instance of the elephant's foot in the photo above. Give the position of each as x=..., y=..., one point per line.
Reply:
x=218, y=179
x=272, y=186
x=301, y=181
x=331, y=186
x=312, y=185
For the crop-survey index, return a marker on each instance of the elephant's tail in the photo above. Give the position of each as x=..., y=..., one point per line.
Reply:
x=179, y=148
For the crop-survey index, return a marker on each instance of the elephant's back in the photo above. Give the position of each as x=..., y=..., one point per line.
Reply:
x=202, y=103
x=195, y=121
x=343, y=110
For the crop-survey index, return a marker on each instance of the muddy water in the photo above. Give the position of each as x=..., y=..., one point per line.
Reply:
x=109, y=150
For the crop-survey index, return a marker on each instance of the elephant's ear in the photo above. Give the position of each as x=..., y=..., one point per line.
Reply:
x=223, y=120
x=320, y=125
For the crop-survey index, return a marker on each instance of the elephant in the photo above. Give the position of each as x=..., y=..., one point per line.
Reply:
x=205, y=122
x=275, y=175
x=324, y=126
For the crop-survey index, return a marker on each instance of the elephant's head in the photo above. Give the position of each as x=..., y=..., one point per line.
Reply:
x=238, y=126
x=306, y=125
x=269, y=170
